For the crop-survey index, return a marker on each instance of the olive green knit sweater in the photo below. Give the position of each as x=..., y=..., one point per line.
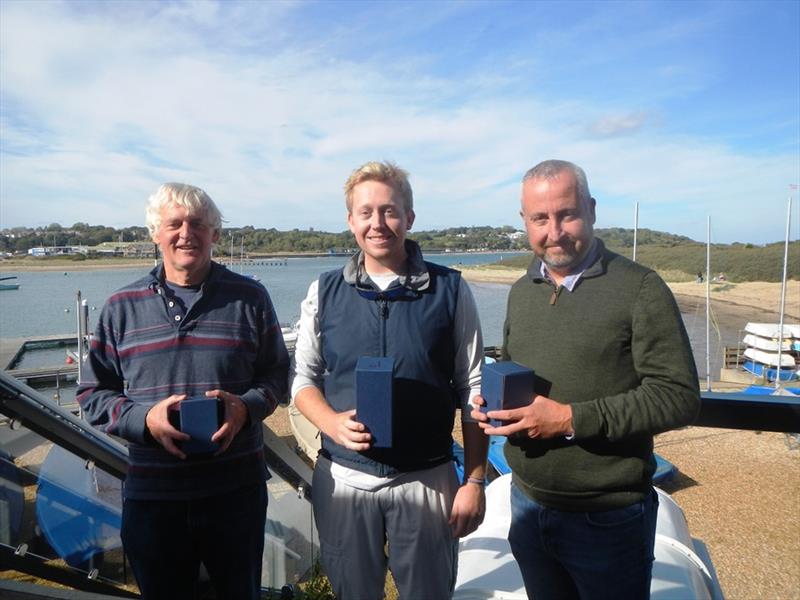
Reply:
x=615, y=348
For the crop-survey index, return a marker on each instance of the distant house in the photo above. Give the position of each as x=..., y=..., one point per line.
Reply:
x=57, y=250
x=126, y=249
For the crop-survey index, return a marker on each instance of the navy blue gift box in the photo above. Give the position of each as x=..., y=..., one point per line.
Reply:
x=374, y=398
x=505, y=385
x=200, y=419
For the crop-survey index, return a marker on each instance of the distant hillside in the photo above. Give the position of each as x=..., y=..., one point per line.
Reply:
x=618, y=237
x=678, y=257
x=675, y=256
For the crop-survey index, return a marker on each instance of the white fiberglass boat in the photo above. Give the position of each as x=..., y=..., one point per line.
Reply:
x=487, y=569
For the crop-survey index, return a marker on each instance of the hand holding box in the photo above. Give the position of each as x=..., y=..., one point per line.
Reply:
x=374, y=398
x=200, y=419
x=506, y=385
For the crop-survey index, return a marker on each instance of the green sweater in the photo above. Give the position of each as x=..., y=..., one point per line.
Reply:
x=615, y=348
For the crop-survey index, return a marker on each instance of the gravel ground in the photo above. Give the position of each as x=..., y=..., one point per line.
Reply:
x=740, y=492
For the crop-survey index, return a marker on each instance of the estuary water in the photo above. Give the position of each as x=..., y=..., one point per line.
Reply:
x=45, y=302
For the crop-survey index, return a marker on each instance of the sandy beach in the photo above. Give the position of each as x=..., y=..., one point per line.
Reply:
x=757, y=299
x=67, y=264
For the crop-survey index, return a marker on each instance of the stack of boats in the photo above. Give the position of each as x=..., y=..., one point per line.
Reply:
x=770, y=352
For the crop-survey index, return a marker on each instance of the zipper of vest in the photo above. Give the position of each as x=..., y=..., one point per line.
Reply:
x=383, y=311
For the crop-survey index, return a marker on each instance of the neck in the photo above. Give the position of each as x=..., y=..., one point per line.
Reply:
x=556, y=276
x=385, y=267
x=186, y=278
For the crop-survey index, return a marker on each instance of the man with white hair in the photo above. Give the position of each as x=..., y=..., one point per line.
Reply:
x=189, y=328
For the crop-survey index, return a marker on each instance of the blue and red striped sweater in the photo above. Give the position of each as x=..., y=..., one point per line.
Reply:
x=229, y=338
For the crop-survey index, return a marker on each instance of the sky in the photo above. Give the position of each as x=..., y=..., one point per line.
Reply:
x=690, y=109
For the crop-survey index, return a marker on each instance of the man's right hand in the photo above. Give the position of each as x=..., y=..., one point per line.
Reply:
x=347, y=432
x=157, y=422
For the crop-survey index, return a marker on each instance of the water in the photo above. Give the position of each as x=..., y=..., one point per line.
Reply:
x=45, y=302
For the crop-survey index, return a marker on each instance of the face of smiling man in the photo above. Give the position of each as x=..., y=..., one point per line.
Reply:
x=559, y=223
x=185, y=240
x=379, y=221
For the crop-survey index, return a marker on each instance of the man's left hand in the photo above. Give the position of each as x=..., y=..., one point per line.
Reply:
x=469, y=506
x=235, y=418
x=542, y=418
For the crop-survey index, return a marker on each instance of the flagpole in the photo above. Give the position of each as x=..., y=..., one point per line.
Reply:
x=708, y=303
x=783, y=290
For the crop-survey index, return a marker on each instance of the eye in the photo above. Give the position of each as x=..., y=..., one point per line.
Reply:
x=538, y=219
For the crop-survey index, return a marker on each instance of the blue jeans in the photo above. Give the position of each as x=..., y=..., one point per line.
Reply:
x=166, y=540
x=588, y=555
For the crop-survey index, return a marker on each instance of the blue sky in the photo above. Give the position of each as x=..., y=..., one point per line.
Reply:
x=691, y=109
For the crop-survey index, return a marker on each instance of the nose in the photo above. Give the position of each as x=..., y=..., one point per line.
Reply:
x=377, y=220
x=185, y=230
x=554, y=230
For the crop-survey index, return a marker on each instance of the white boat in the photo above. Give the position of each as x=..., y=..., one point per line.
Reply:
x=289, y=333
x=770, y=358
x=766, y=343
x=772, y=330
x=487, y=569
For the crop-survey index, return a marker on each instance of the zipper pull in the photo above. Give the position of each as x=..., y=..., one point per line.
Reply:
x=554, y=295
x=384, y=307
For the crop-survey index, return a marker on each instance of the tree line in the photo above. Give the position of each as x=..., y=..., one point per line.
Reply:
x=657, y=249
x=254, y=241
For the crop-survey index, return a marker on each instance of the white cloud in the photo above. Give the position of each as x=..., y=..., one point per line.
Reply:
x=100, y=108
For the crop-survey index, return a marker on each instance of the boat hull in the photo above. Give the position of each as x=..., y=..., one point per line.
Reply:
x=487, y=569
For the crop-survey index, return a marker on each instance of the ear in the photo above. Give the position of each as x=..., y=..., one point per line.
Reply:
x=215, y=237
x=350, y=222
x=592, y=215
x=410, y=218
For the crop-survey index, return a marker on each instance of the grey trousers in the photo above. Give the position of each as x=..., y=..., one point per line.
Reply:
x=411, y=513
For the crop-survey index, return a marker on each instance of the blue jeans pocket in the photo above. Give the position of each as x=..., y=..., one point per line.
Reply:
x=616, y=517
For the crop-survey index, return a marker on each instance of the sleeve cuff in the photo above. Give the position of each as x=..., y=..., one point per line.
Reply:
x=134, y=428
x=586, y=422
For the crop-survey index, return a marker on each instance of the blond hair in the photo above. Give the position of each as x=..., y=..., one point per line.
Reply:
x=386, y=172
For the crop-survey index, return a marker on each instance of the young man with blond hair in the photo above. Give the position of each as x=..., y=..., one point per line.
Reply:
x=388, y=302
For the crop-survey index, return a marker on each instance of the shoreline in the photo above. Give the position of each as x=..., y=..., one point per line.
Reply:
x=76, y=265
x=739, y=298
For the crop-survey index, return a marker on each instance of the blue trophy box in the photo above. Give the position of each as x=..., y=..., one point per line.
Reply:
x=506, y=385
x=374, y=398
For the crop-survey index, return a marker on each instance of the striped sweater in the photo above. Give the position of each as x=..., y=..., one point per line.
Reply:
x=229, y=339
